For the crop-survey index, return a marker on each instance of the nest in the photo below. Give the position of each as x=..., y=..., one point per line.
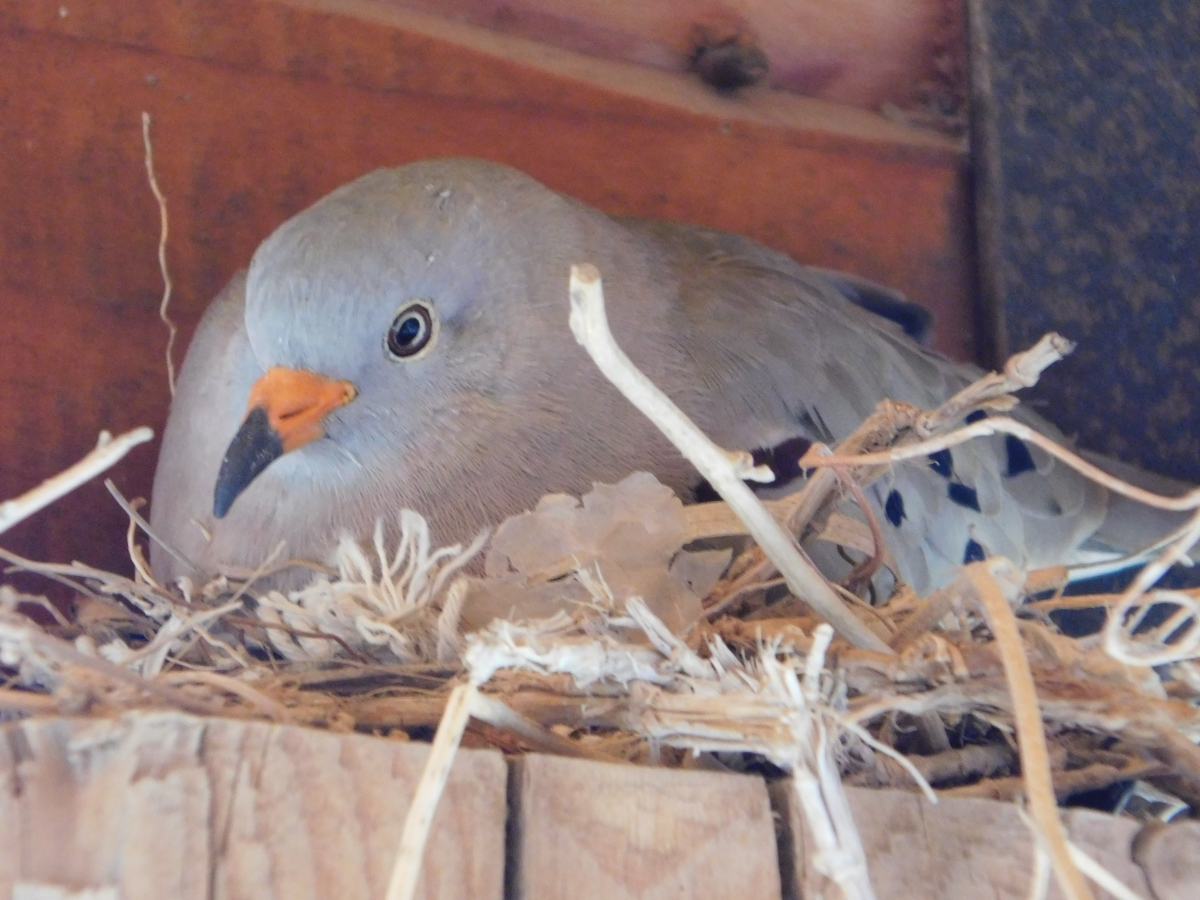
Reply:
x=616, y=643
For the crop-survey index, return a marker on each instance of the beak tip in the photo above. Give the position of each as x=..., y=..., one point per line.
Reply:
x=221, y=502
x=255, y=446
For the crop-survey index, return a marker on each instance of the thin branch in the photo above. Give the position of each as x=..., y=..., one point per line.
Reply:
x=1031, y=739
x=1004, y=425
x=172, y=329
x=13, y=700
x=407, y=869
x=493, y=712
x=109, y=451
x=725, y=472
x=145, y=526
x=1118, y=634
x=269, y=707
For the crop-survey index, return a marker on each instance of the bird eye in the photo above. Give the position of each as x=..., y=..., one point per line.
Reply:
x=412, y=331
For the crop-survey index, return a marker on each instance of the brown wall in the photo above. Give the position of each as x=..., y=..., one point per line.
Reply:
x=259, y=108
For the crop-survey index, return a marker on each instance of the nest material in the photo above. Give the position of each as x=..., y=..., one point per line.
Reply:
x=641, y=657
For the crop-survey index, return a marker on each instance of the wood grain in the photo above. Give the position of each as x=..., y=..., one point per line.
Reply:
x=1170, y=855
x=260, y=108
x=163, y=805
x=863, y=52
x=167, y=805
x=592, y=830
x=960, y=849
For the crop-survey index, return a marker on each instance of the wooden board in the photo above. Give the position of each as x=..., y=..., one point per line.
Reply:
x=163, y=805
x=160, y=804
x=588, y=830
x=960, y=849
x=262, y=107
x=1170, y=856
x=863, y=52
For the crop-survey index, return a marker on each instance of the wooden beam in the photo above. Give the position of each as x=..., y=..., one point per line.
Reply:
x=860, y=52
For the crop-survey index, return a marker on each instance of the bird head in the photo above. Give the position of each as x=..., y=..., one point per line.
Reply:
x=396, y=312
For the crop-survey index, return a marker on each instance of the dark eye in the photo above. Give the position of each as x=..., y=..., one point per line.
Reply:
x=411, y=330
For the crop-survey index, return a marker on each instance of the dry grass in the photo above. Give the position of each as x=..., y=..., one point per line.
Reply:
x=971, y=689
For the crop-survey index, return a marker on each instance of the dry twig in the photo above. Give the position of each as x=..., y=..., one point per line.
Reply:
x=109, y=451
x=725, y=472
x=172, y=329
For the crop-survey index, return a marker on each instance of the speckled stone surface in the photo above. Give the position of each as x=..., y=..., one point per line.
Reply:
x=1087, y=135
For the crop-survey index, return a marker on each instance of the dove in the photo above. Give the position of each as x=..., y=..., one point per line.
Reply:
x=403, y=343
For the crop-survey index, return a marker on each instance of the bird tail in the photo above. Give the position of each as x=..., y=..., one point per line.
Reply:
x=1132, y=532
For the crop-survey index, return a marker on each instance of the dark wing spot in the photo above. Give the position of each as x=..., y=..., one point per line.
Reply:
x=963, y=495
x=893, y=508
x=942, y=463
x=915, y=319
x=973, y=552
x=1019, y=458
x=975, y=416
x=783, y=459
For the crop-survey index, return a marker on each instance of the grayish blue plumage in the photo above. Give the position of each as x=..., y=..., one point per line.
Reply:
x=504, y=406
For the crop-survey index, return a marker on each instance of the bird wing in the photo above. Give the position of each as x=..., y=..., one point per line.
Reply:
x=780, y=351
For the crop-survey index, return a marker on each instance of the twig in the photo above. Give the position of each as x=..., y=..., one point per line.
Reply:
x=1022, y=370
x=1004, y=425
x=492, y=711
x=27, y=639
x=985, y=577
x=275, y=710
x=109, y=451
x=891, y=419
x=407, y=869
x=818, y=788
x=172, y=329
x=145, y=526
x=1091, y=777
x=248, y=622
x=865, y=570
x=1104, y=878
x=725, y=472
x=12, y=700
x=1123, y=648
x=928, y=613
x=11, y=600
x=171, y=632
x=963, y=764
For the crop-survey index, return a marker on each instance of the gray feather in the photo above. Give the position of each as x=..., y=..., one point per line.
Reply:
x=755, y=347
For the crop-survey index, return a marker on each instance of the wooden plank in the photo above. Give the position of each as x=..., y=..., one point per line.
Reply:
x=262, y=107
x=1170, y=855
x=164, y=805
x=863, y=52
x=591, y=830
x=960, y=849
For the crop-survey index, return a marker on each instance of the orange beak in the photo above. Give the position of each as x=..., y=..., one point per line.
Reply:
x=287, y=410
x=296, y=402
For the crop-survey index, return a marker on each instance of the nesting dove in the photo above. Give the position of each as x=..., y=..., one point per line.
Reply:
x=404, y=343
